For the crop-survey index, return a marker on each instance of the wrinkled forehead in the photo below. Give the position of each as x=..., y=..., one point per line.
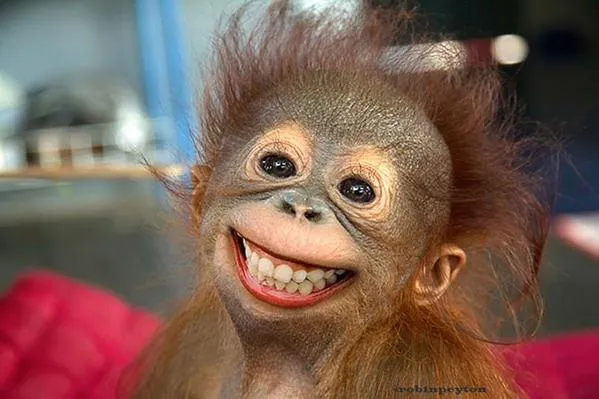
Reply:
x=342, y=112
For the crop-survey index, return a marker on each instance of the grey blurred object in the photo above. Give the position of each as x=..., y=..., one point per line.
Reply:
x=81, y=120
x=11, y=101
x=11, y=95
x=11, y=108
x=80, y=100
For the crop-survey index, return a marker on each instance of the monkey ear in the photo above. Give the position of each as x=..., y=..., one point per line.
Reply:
x=435, y=279
x=200, y=176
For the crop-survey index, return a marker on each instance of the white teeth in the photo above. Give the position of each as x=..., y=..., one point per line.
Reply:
x=248, y=251
x=299, y=276
x=332, y=279
x=266, y=267
x=305, y=287
x=291, y=287
x=315, y=275
x=319, y=285
x=283, y=273
x=283, y=278
x=254, y=258
x=253, y=270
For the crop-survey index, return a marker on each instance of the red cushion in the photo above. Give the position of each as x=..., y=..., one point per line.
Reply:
x=63, y=339
x=564, y=367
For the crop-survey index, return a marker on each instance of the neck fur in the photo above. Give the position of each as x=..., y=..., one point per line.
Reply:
x=394, y=352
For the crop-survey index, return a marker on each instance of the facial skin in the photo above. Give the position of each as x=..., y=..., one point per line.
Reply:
x=352, y=195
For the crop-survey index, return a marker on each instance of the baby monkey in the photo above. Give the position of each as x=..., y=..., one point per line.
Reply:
x=351, y=208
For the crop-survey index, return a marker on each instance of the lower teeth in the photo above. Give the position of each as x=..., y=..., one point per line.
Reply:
x=305, y=287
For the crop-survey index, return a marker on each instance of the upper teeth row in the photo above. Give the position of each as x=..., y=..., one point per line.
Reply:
x=282, y=277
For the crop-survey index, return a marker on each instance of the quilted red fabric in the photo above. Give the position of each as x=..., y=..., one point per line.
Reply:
x=565, y=367
x=60, y=339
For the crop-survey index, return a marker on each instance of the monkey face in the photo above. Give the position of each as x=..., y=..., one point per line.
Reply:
x=282, y=244
x=330, y=200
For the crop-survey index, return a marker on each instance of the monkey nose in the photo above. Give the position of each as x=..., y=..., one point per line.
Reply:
x=301, y=205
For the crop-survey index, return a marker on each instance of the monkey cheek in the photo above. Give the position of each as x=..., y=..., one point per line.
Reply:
x=223, y=261
x=228, y=284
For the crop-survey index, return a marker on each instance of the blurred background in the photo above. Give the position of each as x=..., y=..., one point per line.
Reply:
x=88, y=86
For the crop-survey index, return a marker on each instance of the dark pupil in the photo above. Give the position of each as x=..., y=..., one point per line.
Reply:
x=356, y=190
x=278, y=166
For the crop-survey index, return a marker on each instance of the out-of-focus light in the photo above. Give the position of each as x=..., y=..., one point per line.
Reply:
x=131, y=135
x=131, y=128
x=509, y=49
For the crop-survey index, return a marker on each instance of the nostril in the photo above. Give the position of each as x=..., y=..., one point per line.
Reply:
x=287, y=208
x=300, y=205
x=312, y=215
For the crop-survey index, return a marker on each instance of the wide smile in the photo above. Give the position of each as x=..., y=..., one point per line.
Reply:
x=283, y=282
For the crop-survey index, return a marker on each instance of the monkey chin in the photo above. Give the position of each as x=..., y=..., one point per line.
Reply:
x=281, y=281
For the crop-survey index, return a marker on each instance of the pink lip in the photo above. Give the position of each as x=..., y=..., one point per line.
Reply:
x=274, y=296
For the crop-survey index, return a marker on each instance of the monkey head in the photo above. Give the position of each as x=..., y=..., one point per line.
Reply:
x=350, y=206
x=328, y=202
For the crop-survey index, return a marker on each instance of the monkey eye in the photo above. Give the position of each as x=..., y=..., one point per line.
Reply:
x=356, y=190
x=278, y=166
